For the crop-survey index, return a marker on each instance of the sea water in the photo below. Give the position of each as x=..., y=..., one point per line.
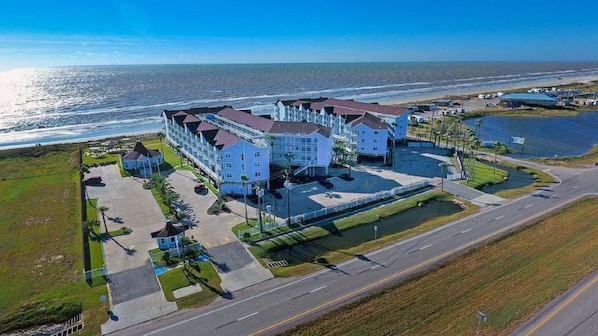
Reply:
x=72, y=103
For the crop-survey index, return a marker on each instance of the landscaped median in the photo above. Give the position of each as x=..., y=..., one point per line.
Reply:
x=509, y=279
x=266, y=249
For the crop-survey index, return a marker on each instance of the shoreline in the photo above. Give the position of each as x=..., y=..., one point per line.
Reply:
x=490, y=88
x=398, y=101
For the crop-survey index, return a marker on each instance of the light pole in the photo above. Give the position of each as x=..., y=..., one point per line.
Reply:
x=442, y=165
x=259, y=191
x=288, y=185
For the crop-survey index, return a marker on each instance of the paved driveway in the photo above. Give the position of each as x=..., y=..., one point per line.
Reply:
x=236, y=267
x=135, y=294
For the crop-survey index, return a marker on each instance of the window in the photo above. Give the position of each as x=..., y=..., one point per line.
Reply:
x=375, y=148
x=362, y=132
x=375, y=132
x=257, y=174
x=229, y=175
x=242, y=157
x=172, y=239
x=257, y=164
x=227, y=155
x=362, y=140
x=242, y=167
x=229, y=165
x=162, y=241
x=257, y=154
x=375, y=140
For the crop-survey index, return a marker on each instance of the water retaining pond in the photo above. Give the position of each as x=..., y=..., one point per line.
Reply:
x=340, y=240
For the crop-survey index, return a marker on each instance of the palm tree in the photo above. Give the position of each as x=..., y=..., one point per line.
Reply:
x=289, y=156
x=103, y=210
x=478, y=126
x=161, y=136
x=496, y=145
x=89, y=226
x=168, y=199
x=244, y=179
x=178, y=148
x=338, y=150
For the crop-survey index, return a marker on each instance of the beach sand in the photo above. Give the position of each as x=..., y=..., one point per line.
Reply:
x=473, y=104
x=492, y=89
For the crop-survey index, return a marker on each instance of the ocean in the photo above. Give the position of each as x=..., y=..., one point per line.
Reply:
x=68, y=104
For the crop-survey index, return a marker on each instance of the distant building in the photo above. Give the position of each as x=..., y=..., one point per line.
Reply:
x=527, y=99
x=444, y=102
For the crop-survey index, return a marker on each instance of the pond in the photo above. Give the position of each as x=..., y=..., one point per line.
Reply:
x=544, y=136
x=517, y=179
x=340, y=240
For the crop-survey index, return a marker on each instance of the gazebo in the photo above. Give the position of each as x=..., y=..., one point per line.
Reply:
x=141, y=159
x=170, y=236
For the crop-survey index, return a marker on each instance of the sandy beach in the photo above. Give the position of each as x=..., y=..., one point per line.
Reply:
x=490, y=89
x=471, y=104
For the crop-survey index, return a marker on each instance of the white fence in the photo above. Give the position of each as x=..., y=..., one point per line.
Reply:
x=94, y=273
x=381, y=195
x=174, y=252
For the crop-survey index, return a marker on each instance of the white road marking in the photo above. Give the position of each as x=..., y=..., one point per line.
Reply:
x=248, y=316
x=317, y=289
x=425, y=247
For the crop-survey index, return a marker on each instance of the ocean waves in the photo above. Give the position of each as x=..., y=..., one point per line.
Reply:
x=67, y=104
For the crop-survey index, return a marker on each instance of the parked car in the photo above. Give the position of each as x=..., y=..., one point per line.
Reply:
x=326, y=184
x=92, y=180
x=199, y=187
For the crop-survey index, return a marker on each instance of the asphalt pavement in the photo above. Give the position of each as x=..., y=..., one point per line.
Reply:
x=132, y=206
x=273, y=306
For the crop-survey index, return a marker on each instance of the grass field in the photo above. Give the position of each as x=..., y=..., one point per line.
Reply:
x=509, y=279
x=41, y=239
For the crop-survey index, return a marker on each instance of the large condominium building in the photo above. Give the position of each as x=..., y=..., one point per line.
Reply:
x=363, y=126
x=235, y=148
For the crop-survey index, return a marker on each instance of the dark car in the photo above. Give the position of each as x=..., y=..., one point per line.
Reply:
x=199, y=187
x=93, y=180
x=326, y=184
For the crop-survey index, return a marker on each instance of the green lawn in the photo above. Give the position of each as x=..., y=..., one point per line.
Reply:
x=509, y=279
x=202, y=273
x=41, y=238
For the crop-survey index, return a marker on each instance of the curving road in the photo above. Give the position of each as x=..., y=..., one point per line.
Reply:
x=277, y=304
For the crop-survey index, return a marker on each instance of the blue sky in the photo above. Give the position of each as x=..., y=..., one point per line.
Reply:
x=57, y=33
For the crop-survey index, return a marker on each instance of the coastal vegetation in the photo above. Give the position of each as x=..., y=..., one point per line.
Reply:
x=41, y=239
x=509, y=279
x=587, y=160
